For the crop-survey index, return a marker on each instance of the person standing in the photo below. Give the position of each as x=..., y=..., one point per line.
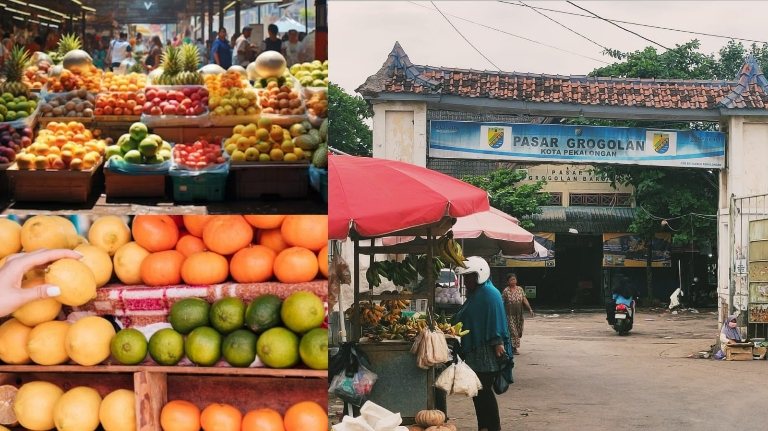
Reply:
x=514, y=303
x=99, y=54
x=221, y=51
x=272, y=43
x=244, y=48
x=155, y=52
x=139, y=49
x=119, y=50
x=488, y=339
x=292, y=48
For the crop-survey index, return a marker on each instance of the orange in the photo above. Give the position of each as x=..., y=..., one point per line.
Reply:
x=205, y=268
x=263, y=420
x=196, y=223
x=308, y=231
x=221, y=417
x=273, y=239
x=265, y=221
x=306, y=416
x=252, y=264
x=296, y=265
x=162, y=268
x=226, y=234
x=180, y=415
x=189, y=244
x=155, y=232
x=322, y=261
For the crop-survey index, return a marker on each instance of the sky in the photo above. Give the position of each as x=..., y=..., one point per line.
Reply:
x=362, y=33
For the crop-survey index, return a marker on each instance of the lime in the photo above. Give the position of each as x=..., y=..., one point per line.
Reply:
x=263, y=313
x=166, y=347
x=203, y=346
x=129, y=347
x=227, y=315
x=302, y=311
x=189, y=314
x=239, y=348
x=278, y=348
x=313, y=349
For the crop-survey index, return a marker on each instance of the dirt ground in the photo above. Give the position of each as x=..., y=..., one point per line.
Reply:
x=573, y=372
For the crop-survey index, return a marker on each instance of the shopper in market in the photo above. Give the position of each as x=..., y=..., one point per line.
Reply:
x=119, y=50
x=221, y=51
x=488, y=339
x=155, y=52
x=292, y=47
x=514, y=304
x=244, y=48
x=12, y=272
x=272, y=43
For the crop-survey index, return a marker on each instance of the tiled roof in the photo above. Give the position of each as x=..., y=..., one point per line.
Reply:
x=583, y=219
x=400, y=75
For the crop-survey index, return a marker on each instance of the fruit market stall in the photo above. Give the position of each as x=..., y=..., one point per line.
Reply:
x=242, y=135
x=160, y=315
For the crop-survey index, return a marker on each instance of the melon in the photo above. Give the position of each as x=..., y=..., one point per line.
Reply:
x=77, y=410
x=99, y=262
x=127, y=262
x=109, y=233
x=10, y=237
x=50, y=232
x=34, y=405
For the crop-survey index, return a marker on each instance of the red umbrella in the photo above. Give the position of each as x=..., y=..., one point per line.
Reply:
x=374, y=197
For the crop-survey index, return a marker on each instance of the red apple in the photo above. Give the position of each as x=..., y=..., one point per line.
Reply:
x=155, y=110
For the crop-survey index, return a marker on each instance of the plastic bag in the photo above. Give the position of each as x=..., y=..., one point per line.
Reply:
x=445, y=379
x=504, y=377
x=353, y=388
x=465, y=380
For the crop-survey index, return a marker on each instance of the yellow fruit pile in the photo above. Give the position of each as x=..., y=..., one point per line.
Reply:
x=62, y=146
x=262, y=142
x=219, y=84
x=234, y=101
x=130, y=82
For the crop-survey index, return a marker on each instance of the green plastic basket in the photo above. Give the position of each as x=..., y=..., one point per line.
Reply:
x=209, y=187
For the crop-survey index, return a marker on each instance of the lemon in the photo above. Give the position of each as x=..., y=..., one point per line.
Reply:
x=34, y=405
x=88, y=340
x=46, y=343
x=77, y=410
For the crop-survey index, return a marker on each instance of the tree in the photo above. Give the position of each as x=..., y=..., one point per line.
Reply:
x=516, y=200
x=347, y=130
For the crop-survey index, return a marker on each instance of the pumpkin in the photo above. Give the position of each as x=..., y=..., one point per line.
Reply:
x=443, y=427
x=430, y=417
x=239, y=69
x=270, y=64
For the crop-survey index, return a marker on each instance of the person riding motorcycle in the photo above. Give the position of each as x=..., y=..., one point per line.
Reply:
x=622, y=294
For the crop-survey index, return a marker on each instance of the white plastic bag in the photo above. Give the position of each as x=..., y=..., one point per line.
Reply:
x=445, y=379
x=465, y=380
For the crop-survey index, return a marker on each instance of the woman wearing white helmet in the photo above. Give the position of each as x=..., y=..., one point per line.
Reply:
x=488, y=339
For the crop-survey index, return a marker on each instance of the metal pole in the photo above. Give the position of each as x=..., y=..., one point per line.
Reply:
x=258, y=15
x=732, y=257
x=210, y=20
x=82, y=25
x=202, y=21
x=237, y=16
x=306, y=16
x=221, y=13
x=356, y=333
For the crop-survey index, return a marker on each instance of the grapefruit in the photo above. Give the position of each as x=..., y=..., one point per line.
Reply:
x=34, y=405
x=118, y=411
x=76, y=280
x=178, y=415
x=313, y=349
x=221, y=417
x=77, y=410
x=252, y=264
x=296, y=265
x=239, y=348
x=227, y=314
x=13, y=342
x=308, y=231
x=189, y=244
x=263, y=420
x=302, y=311
x=226, y=234
x=188, y=314
x=265, y=221
x=49, y=232
x=196, y=223
x=273, y=239
x=127, y=262
x=166, y=347
x=203, y=346
x=98, y=261
x=263, y=313
x=88, y=340
x=46, y=345
x=306, y=416
x=129, y=346
x=278, y=348
x=10, y=237
x=7, y=416
x=155, y=232
x=109, y=233
x=322, y=261
x=38, y=311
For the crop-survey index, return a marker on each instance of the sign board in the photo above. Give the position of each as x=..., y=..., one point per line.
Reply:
x=628, y=250
x=546, y=240
x=741, y=267
x=576, y=144
x=530, y=292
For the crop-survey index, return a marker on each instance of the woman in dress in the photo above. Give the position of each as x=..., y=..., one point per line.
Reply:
x=514, y=301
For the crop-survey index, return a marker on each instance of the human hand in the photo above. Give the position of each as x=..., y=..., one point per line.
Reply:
x=532, y=313
x=12, y=272
x=499, y=350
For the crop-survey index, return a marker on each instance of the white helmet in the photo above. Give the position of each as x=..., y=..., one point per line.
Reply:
x=477, y=265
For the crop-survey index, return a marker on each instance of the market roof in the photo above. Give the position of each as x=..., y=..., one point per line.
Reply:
x=583, y=219
x=399, y=75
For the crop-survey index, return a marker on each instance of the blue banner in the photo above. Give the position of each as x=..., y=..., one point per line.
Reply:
x=576, y=144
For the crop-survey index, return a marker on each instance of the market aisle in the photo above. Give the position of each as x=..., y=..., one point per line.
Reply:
x=575, y=372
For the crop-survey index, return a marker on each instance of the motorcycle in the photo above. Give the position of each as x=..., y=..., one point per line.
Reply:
x=623, y=318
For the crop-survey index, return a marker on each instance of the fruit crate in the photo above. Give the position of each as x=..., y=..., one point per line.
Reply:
x=245, y=388
x=207, y=187
x=119, y=185
x=318, y=178
x=285, y=179
x=51, y=185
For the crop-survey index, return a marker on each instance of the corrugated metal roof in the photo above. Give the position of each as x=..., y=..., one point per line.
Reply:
x=584, y=219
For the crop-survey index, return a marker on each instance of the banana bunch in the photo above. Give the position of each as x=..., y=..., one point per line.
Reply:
x=374, y=273
x=450, y=251
x=392, y=332
x=424, y=266
x=453, y=330
x=370, y=314
x=395, y=304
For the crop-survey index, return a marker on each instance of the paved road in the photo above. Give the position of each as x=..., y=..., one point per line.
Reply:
x=575, y=373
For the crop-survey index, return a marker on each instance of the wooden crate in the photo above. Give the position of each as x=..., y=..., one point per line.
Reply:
x=245, y=388
x=134, y=186
x=738, y=353
x=51, y=185
x=287, y=180
x=186, y=135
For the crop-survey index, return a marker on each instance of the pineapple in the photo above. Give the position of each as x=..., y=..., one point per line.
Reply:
x=14, y=72
x=171, y=64
x=189, y=59
x=68, y=42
